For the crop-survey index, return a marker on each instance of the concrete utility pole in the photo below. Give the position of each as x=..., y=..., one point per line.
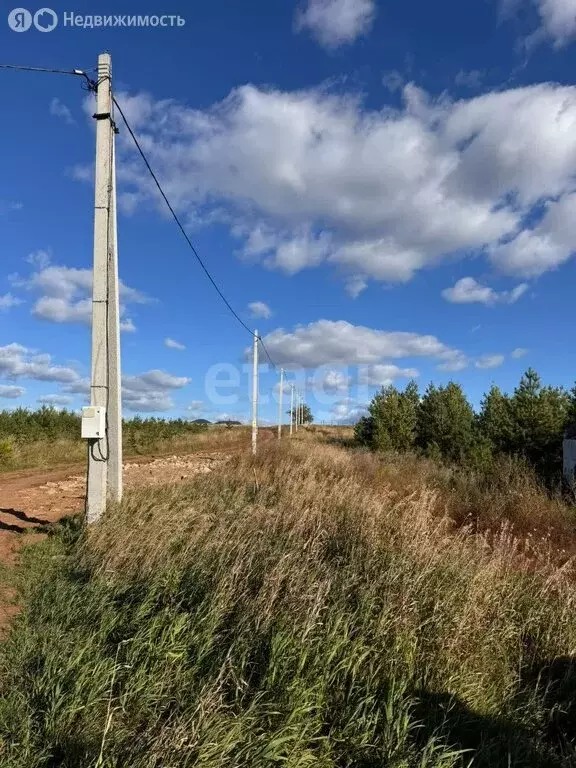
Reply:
x=255, y=394
x=280, y=403
x=114, y=366
x=296, y=420
x=291, y=408
x=105, y=456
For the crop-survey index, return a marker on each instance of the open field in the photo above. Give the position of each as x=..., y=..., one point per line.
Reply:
x=47, y=453
x=318, y=606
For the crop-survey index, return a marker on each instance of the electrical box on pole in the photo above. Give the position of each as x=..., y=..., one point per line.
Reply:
x=93, y=422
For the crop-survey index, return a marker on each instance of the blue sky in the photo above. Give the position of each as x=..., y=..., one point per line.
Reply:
x=393, y=180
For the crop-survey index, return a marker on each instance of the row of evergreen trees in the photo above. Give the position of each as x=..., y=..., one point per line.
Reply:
x=25, y=425
x=529, y=424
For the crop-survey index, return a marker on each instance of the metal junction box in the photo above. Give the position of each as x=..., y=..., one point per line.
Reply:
x=94, y=422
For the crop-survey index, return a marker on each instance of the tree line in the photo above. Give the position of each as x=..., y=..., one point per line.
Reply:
x=25, y=425
x=529, y=424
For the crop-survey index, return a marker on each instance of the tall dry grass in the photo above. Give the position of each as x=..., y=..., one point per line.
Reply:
x=315, y=607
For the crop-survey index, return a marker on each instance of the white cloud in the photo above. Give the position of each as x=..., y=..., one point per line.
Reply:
x=7, y=301
x=58, y=109
x=355, y=285
x=547, y=246
x=11, y=393
x=66, y=293
x=260, y=309
x=382, y=375
x=54, y=400
x=337, y=22
x=127, y=325
x=326, y=342
x=329, y=382
x=196, y=407
x=469, y=291
x=78, y=387
x=39, y=259
x=557, y=17
x=456, y=363
x=172, y=344
x=518, y=353
x=347, y=411
x=311, y=177
x=18, y=362
x=489, y=361
x=149, y=392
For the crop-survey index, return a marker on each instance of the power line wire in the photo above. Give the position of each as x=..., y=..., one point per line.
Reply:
x=272, y=363
x=177, y=220
x=92, y=86
x=23, y=68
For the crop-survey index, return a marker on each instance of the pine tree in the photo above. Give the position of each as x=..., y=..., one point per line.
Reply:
x=446, y=423
x=540, y=416
x=496, y=420
x=392, y=420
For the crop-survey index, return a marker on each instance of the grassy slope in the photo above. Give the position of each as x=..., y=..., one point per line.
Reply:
x=320, y=609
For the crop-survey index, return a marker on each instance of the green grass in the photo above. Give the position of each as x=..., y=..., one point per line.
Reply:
x=310, y=610
x=47, y=437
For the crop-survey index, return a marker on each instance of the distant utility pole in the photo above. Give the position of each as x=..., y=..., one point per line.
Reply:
x=102, y=422
x=255, y=394
x=280, y=403
x=291, y=408
x=296, y=420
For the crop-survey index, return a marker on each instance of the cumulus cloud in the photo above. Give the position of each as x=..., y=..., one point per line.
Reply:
x=347, y=411
x=79, y=387
x=11, y=392
x=149, y=392
x=65, y=293
x=172, y=344
x=127, y=325
x=518, y=353
x=546, y=246
x=260, y=309
x=7, y=301
x=54, y=400
x=557, y=19
x=489, y=361
x=18, y=362
x=312, y=177
x=329, y=382
x=382, y=375
x=469, y=291
x=58, y=109
x=326, y=342
x=336, y=22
